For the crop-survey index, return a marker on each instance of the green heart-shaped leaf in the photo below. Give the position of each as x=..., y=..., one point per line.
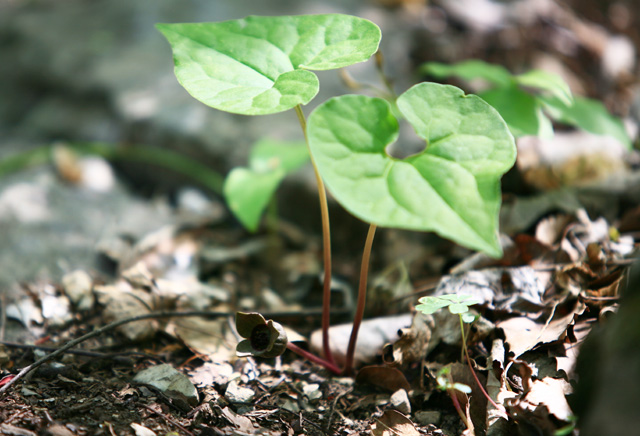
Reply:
x=259, y=65
x=452, y=187
x=470, y=70
x=589, y=115
x=521, y=111
x=546, y=81
x=249, y=190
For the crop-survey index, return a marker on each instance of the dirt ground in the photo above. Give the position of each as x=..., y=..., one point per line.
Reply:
x=570, y=235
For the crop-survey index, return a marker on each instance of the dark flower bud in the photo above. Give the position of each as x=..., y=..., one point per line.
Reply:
x=262, y=338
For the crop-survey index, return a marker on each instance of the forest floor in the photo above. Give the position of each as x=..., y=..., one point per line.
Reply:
x=569, y=234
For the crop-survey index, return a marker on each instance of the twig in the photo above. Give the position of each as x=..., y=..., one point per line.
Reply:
x=86, y=353
x=301, y=418
x=332, y=409
x=98, y=332
x=168, y=419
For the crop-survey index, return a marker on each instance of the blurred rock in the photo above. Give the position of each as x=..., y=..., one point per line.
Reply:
x=78, y=287
x=100, y=71
x=618, y=57
x=48, y=228
x=426, y=417
x=570, y=159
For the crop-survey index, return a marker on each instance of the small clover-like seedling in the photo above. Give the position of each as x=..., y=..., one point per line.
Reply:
x=528, y=102
x=458, y=304
x=263, y=338
x=247, y=191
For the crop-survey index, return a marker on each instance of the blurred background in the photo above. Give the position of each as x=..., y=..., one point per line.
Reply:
x=96, y=73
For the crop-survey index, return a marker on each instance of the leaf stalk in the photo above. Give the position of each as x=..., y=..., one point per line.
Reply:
x=326, y=245
x=473, y=372
x=362, y=298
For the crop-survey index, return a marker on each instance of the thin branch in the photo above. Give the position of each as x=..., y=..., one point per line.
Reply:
x=98, y=332
x=85, y=353
x=167, y=418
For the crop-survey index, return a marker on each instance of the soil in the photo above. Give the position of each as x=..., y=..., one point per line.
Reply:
x=90, y=390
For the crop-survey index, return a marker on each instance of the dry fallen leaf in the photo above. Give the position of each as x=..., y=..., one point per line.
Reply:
x=212, y=338
x=551, y=392
x=413, y=342
x=523, y=334
x=121, y=302
x=393, y=423
x=242, y=424
x=390, y=379
x=509, y=289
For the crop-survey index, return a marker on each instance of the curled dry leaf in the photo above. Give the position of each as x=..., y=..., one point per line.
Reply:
x=390, y=379
x=510, y=289
x=393, y=423
x=210, y=337
x=413, y=342
x=523, y=334
x=551, y=392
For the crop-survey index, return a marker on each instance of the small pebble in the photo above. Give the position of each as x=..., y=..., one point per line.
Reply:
x=238, y=394
x=312, y=391
x=400, y=401
x=426, y=417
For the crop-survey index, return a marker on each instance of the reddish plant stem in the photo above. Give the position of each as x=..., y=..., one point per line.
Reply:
x=473, y=372
x=458, y=407
x=313, y=358
x=326, y=246
x=362, y=299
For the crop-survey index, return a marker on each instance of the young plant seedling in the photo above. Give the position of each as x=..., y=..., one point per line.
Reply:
x=261, y=65
x=458, y=304
x=445, y=382
x=528, y=102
